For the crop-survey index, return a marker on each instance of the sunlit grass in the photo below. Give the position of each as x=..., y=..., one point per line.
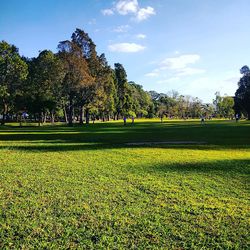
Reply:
x=83, y=187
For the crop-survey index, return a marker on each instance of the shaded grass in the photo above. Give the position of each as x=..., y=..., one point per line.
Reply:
x=81, y=187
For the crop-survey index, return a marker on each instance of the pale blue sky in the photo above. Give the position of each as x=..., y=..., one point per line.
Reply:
x=195, y=47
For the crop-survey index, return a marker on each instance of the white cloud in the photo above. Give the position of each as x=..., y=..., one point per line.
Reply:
x=107, y=12
x=174, y=68
x=152, y=74
x=141, y=36
x=190, y=71
x=130, y=7
x=145, y=13
x=126, y=47
x=169, y=80
x=125, y=7
x=180, y=65
x=92, y=21
x=180, y=62
x=122, y=28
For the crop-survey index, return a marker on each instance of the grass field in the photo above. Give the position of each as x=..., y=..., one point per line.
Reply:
x=85, y=188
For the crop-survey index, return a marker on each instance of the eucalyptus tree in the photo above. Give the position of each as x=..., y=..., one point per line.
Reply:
x=13, y=71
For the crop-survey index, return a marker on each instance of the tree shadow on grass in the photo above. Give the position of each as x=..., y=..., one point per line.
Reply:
x=62, y=146
x=232, y=166
x=115, y=135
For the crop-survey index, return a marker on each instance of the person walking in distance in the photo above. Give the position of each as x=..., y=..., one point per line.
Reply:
x=124, y=120
x=133, y=119
x=237, y=117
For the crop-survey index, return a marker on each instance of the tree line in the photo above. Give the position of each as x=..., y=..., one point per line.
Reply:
x=78, y=85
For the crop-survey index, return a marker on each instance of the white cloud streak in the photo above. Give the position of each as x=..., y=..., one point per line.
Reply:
x=178, y=66
x=169, y=80
x=180, y=62
x=152, y=74
x=126, y=47
x=190, y=71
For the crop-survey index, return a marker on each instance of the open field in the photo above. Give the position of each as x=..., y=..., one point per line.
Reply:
x=86, y=188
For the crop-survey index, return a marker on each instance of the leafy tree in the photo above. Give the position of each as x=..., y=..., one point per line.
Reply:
x=223, y=105
x=195, y=109
x=77, y=74
x=13, y=71
x=123, y=104
x=141, y=100
x=44, y=84
x=106, y=93
x=227, y=106
x=88, y=92
x=242, y=94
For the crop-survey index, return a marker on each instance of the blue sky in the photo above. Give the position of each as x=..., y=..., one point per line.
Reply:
x=192, y=46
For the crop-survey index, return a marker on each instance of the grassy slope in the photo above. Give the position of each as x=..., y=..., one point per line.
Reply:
x=82, y=187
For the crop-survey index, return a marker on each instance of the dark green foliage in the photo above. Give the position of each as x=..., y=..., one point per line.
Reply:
x=242, y=94
x=43, y=87
x=13, y=71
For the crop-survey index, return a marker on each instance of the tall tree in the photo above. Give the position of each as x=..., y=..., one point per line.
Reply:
x=242, y=94
x=77, y=73
x=87, y=92
x=106, y=94
x=123, y=97
x=13, y=71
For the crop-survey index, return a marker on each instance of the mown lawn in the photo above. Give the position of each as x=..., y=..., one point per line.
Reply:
x=85, y=188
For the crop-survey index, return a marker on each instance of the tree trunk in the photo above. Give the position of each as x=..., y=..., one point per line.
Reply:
x=70, y=121
x=4, y=114
x=81, y=115
x=52, y=115
x=87, y=116
x=44, y=117
x=116, y=116
x=65, y=114
x=20, y=120
x=40, y=119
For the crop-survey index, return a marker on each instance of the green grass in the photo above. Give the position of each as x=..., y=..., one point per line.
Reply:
x=84, y=188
